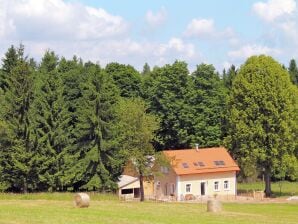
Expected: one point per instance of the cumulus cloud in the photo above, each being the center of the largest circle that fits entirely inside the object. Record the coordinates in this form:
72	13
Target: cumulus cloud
253	49
56	19
205	29
70	28
155	20
273	9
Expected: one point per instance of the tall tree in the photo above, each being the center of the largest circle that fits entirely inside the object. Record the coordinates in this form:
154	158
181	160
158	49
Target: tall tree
135	131
126	78
146	69
15	110
9	62
92	161
165	89
263	118
51	118
293	71
205	107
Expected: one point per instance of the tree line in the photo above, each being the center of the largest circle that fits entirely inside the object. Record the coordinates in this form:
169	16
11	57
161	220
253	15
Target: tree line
70	125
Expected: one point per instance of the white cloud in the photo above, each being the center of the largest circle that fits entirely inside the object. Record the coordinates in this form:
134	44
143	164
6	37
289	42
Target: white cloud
56	19
273	9
156	19
250	50
200	28
205	29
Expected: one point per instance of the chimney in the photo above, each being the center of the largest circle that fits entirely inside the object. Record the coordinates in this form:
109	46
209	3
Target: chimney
197	146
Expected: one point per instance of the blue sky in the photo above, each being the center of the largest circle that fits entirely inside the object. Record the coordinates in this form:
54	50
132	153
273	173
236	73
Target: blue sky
157	31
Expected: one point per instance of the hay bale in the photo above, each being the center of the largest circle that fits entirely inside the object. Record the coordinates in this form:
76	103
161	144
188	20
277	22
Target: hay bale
82	200
213	206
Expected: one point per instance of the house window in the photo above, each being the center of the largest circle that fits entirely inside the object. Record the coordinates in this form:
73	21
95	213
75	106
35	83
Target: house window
164	169
173	188
226	185
188	188
216	186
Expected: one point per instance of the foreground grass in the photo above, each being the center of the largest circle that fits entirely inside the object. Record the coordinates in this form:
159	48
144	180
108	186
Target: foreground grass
287	188
20	211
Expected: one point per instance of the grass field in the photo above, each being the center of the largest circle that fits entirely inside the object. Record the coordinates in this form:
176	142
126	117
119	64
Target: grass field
58	209
287	188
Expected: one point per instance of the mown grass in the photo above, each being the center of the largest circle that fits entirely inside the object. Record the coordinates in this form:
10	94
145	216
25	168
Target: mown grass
46	210
287	188
55	196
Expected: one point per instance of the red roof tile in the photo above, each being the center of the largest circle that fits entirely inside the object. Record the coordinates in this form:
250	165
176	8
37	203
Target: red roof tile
183	160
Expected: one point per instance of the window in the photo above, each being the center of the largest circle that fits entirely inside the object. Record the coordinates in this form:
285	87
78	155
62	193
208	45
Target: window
195	164
201	164
185	165
188	188
164	169
226	185
219	163
216	186
172	188
127	191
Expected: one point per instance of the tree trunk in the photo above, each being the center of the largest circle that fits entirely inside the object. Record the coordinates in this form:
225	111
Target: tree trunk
25	187
142	196
268	191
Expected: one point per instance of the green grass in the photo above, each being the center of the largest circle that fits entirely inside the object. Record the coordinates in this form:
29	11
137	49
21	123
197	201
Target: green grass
47	209
55	196
287	188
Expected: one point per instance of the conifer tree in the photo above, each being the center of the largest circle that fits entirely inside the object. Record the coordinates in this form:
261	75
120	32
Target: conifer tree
15	111
51	123
92	162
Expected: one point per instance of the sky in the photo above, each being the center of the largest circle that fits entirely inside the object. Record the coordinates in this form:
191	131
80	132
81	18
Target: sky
218	32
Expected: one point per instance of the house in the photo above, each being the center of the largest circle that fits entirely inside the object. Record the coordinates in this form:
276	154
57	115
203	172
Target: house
197	173
192	173
129	183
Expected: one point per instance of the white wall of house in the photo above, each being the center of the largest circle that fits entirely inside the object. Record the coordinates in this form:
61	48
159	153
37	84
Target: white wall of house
220	183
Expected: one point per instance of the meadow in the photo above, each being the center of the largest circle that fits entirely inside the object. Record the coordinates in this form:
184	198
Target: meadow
58	208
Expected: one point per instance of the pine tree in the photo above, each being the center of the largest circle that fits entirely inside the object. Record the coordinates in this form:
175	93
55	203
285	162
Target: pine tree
15	111
93	164
9	62
51	123
293	71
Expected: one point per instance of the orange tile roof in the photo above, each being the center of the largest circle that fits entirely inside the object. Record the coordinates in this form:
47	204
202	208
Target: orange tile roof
204	156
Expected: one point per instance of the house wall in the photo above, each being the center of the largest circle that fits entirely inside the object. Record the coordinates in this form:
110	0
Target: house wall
195	181
165	183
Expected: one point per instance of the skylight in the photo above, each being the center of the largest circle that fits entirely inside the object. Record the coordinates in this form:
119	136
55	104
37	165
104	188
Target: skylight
185	165
219	163
201	164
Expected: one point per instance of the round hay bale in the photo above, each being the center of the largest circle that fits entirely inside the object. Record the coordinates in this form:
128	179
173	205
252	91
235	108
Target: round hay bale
82	200
213	206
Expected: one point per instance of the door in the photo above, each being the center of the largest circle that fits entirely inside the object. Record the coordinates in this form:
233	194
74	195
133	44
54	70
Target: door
203	188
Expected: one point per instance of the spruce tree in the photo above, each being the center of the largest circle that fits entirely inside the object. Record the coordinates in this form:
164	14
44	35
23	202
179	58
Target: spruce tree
92	162
51	123
15	111
293	71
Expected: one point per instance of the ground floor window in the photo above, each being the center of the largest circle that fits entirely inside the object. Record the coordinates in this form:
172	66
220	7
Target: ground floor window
216	186
127	191
226	185
188	188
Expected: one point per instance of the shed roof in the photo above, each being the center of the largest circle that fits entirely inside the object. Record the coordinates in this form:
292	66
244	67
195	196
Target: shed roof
125	180
204	160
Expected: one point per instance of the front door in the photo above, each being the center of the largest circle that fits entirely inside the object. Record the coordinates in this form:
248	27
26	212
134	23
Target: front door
203	190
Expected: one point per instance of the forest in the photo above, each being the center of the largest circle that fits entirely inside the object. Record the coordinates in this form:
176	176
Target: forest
70	125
